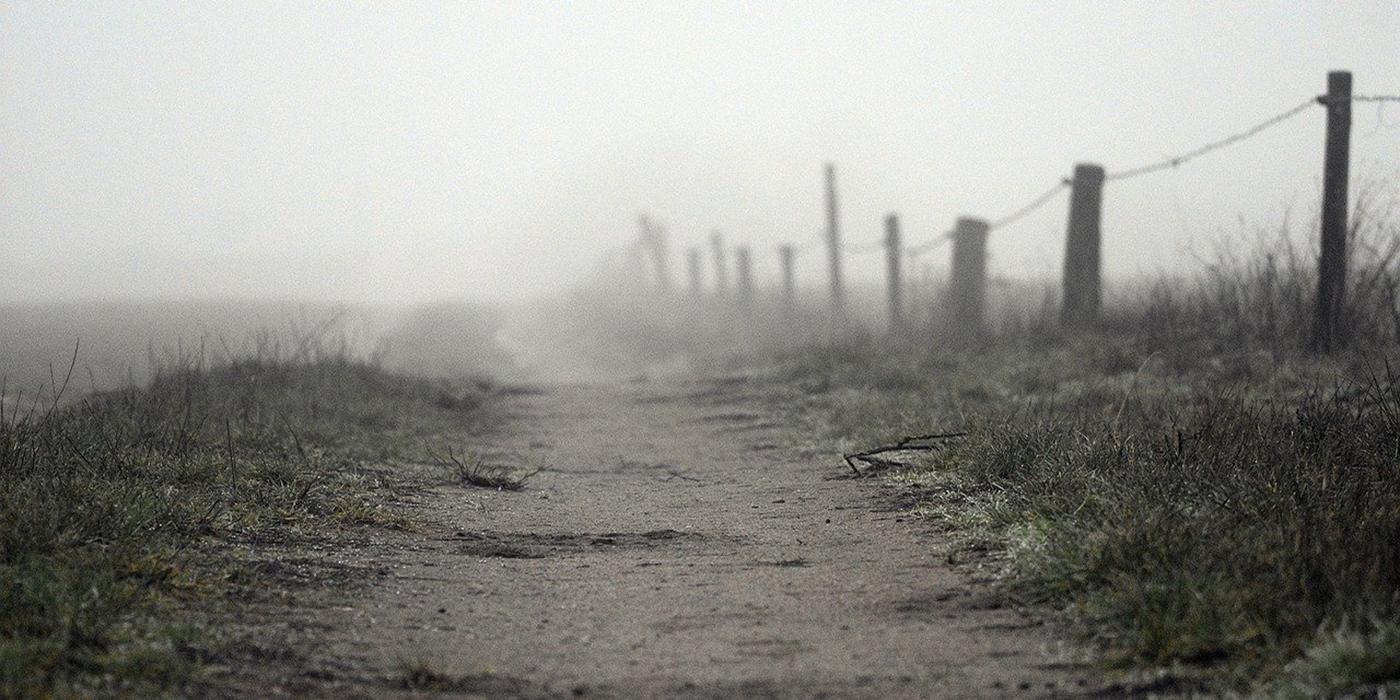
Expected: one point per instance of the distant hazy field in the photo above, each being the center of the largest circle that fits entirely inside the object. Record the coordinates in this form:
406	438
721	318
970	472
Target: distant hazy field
120	341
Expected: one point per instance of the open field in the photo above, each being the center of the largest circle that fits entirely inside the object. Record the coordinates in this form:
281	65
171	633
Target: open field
707	350
316	526
1181	499
124	343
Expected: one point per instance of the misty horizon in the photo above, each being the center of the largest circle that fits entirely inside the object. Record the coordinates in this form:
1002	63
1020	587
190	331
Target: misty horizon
363	153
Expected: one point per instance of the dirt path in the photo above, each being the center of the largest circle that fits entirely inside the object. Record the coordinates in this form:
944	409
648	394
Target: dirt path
676	547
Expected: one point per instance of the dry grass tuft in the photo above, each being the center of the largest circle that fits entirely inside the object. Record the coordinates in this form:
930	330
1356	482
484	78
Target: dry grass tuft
476	470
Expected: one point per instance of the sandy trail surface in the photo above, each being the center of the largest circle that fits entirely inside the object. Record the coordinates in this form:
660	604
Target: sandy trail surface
675	545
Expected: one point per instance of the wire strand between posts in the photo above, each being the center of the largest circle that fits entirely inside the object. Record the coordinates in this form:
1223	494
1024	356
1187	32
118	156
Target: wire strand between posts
1212	146
1026	210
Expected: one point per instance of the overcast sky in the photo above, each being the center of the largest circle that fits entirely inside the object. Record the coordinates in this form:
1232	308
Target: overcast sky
401	151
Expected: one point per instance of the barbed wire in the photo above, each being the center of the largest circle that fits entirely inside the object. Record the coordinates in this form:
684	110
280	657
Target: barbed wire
1007	220
1212	146
1026	210
862	248
930	244
1045	198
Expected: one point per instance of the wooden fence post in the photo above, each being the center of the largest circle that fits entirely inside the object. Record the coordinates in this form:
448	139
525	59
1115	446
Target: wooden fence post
653	238
697	283
833	241
745	265
646	253
893	249
789	291
967	289
721	268
1080	301
1329	331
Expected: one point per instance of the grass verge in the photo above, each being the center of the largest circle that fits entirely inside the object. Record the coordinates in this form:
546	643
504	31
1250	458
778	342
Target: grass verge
1228	519
117	512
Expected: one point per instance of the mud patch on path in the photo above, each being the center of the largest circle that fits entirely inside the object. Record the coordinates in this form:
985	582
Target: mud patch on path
734	417
798	563
424	680
271	578
526	545
760	425
772	648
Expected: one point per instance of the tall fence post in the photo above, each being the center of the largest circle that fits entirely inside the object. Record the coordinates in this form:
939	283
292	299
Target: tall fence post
786	253
1329	331
745	269
697	283
1083	240
721	267
967	289
893	250
833	241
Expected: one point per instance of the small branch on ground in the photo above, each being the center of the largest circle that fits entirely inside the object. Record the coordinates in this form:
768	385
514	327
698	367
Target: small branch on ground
909	443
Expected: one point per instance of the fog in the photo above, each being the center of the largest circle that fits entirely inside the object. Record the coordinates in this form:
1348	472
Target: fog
699	348
398	153
455	188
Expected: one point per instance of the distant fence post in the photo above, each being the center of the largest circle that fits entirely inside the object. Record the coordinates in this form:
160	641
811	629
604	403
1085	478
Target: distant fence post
1329	331
1083	240
721	267
968	287
786	254
745	265
653	238
833	241
646	252
697	283
893	249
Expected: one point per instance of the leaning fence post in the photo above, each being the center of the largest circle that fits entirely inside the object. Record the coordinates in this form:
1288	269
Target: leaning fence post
745	269
1080	302
1329	331
697	283
967	287
892	269
721	268
786	254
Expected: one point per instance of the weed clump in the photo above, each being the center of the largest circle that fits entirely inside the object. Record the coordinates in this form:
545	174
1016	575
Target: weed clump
478	470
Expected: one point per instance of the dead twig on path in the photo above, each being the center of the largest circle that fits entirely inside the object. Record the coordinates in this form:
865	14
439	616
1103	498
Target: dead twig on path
909	443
